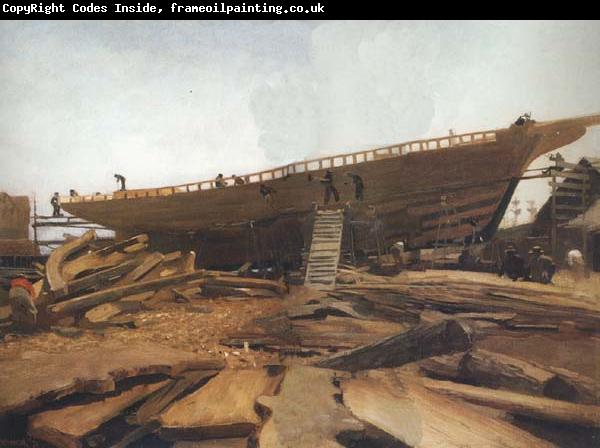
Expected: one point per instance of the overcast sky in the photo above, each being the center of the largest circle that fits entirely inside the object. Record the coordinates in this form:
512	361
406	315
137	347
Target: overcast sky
173	102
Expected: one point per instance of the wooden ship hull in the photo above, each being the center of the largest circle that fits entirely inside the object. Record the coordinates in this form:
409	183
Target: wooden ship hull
418	192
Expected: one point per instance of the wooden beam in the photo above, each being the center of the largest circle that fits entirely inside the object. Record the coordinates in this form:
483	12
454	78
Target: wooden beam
88	301
149	263
67	427
426	340
222	408
39	377
101	279
54	265
143	238
515	403
400	406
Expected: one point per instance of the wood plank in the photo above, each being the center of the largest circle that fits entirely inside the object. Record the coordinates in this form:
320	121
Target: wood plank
570	185
305	413
104	312
39	377
142	238
502	371
102	278
163	398
88	301
571	175
91	262
214	443
245	282
416	417
66	427
426	340
515	403
54	265
149	263
224	407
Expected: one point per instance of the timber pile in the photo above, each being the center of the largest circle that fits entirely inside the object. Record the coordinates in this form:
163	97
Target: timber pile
420	360
99	286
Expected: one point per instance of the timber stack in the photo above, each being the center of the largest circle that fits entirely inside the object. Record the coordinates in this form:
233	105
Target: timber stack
418	359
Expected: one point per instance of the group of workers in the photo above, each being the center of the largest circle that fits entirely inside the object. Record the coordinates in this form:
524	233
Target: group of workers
55	199
329	189
539	267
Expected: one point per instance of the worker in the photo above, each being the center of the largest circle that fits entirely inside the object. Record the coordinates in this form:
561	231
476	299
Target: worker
397	250
21	295
267	193
237	180
219	181
576	263
120	178
73	193
330	189
55	202
359	186
523	119
475	237
513	265
467	260
541	267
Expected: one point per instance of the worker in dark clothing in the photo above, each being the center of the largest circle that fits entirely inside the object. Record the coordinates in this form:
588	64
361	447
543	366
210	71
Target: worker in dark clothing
523	119
55	202
219	181
513	265
73	193
267	193
359	186
330	189
120	179
541	267
237	180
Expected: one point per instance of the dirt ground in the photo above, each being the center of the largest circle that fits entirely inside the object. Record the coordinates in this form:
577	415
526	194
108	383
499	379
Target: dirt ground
174	325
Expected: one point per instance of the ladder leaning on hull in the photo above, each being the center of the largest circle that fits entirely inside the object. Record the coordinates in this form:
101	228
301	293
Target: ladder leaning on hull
324	255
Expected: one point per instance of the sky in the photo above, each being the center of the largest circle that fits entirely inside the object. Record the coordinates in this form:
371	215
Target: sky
170	102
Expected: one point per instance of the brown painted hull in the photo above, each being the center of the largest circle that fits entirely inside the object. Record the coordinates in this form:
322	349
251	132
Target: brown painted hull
233	224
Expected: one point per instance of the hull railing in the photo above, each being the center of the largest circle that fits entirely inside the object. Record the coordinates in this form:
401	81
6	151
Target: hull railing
349	159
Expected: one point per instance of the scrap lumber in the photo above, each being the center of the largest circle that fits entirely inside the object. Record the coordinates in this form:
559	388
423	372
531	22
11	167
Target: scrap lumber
426	340
54	265
138	239
92	262
147	414
40	377
149	263
401	407
106	311
223	407
171	256
324	307
137	247
214	443
102	278
66	427
540	408
246	282
496	370
88	301
486	293
340	332
447	367
571	386
161	400
305	413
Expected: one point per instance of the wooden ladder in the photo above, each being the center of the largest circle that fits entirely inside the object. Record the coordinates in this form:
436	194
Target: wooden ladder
324	255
